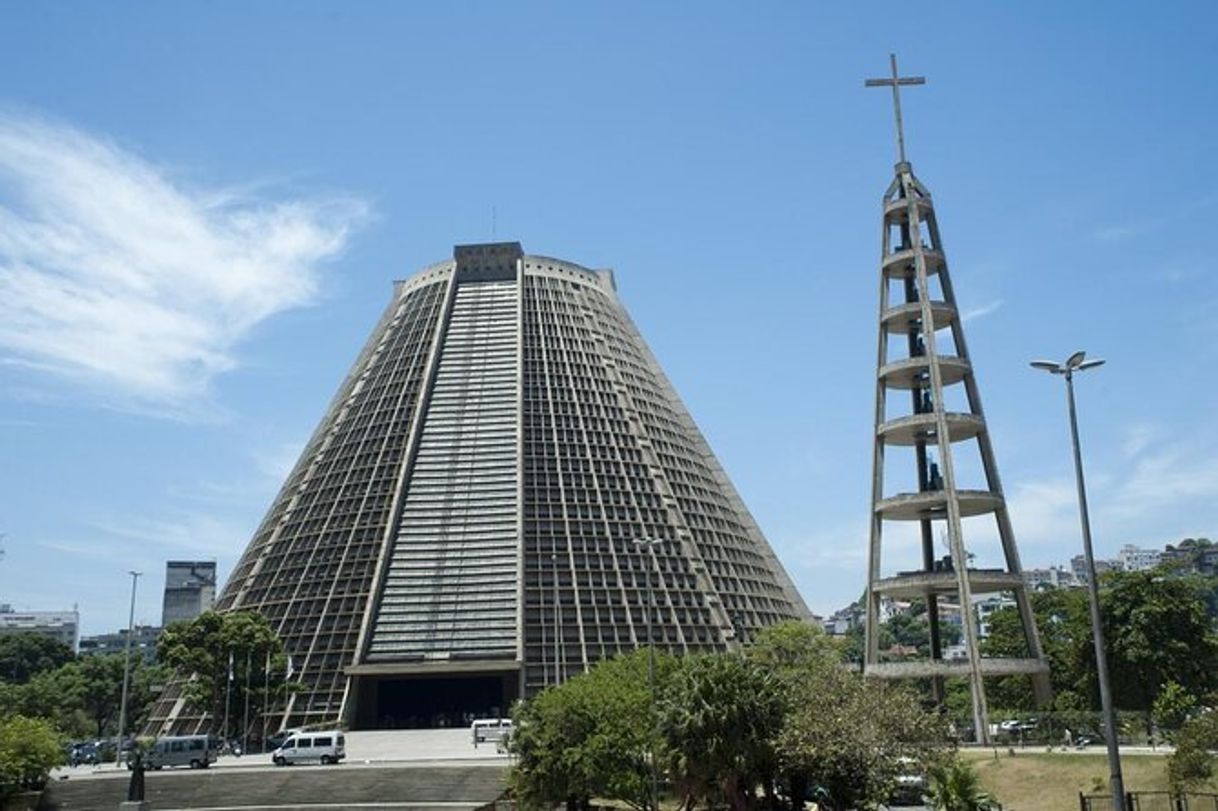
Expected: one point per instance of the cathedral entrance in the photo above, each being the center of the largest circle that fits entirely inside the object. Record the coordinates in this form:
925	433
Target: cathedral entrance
433	701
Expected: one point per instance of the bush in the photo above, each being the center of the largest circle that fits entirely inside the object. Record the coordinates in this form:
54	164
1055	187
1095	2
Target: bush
589	737
955	786
29	749
1192	763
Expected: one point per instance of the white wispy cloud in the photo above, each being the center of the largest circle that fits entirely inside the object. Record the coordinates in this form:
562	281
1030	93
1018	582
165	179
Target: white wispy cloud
1155	494
115	276
1117	232
1139	437
981	311
1044	514
1165	479
276	463
202	533
1142	226
80	549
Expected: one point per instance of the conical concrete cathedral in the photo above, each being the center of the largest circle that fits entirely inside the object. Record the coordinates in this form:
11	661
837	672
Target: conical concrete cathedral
502	484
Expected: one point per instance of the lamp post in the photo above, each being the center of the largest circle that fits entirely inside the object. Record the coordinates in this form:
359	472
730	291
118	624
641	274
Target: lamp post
122	707
650	544
1078	363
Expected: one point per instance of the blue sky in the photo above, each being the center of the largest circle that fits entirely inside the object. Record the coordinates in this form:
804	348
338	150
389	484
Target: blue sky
202	209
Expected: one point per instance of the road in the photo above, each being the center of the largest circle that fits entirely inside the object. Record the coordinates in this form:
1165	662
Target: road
414	769
434	747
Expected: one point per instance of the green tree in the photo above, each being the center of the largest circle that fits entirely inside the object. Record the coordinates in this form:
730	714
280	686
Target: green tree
854	643
1192	764
1158	632
955	786
29	749
845	737
98	683
789	648
910	631
93	685
719	712
147	682
53	695
1064	622
24	655
1156	627
1172	708
850	738
224	652
589	737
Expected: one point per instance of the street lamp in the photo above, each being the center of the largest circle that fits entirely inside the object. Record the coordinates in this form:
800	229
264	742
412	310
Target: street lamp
651	544
1078	363
122	707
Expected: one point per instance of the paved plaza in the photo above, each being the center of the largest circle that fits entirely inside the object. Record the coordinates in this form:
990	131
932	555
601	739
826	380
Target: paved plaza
417	769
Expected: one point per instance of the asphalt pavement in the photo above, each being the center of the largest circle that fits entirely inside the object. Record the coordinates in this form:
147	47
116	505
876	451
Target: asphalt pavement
436	747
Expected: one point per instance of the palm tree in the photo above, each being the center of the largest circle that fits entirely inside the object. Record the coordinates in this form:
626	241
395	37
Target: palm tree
956	787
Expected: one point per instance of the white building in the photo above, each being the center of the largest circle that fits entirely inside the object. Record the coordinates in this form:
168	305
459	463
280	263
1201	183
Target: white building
1134	559
1078	565
955	653
890	608
842	620
61	625
985	608
1054	577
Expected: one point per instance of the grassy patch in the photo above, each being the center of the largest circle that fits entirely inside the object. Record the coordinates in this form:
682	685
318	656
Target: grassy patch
1043	781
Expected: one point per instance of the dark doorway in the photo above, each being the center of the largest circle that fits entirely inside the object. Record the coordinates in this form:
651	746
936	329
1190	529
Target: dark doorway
430	702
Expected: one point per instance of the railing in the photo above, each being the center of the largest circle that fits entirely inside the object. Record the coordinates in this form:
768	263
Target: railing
1151	801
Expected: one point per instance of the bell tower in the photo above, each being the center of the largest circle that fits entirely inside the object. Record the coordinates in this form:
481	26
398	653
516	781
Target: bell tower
934	412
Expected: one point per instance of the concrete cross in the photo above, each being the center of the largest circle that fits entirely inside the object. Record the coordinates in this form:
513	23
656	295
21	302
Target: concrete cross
895	83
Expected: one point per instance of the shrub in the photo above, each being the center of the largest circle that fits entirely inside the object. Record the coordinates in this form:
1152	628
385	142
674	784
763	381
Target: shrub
955	786
1192	763
29	749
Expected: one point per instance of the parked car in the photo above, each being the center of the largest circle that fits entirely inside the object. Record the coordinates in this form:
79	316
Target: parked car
323	747
1084	739
194	751
483	730
83	753
277	740
911	785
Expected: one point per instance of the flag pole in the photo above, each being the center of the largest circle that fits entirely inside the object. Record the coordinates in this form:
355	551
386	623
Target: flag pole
266	696
245	721
228	692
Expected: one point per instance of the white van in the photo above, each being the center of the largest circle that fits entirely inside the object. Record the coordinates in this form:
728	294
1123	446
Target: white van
491	729
324	747
180	750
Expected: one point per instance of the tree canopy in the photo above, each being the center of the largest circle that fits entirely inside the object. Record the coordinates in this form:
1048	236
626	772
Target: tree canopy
719	714
29	749
785	712
844	739
1193	761
225	652
590	737
1157	631
24	655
